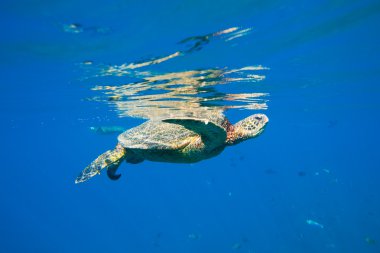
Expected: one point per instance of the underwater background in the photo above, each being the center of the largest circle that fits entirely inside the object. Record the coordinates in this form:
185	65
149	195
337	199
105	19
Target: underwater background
308	183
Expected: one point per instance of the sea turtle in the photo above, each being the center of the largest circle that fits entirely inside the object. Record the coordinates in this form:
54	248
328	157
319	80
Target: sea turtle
178	140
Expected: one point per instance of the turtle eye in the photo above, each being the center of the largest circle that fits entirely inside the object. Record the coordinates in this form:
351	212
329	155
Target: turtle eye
258	117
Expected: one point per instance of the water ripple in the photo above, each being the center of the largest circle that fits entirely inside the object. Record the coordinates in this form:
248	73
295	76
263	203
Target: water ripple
184	93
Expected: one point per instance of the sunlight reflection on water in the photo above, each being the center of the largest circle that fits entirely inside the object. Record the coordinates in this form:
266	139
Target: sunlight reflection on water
189	93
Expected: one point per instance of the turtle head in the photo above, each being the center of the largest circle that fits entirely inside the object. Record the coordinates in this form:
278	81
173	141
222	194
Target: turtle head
247	128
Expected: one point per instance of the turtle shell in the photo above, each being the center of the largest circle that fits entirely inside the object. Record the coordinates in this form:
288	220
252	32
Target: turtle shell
172	134
156	135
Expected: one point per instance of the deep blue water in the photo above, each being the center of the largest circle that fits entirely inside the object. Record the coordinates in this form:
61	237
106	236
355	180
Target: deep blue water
317	160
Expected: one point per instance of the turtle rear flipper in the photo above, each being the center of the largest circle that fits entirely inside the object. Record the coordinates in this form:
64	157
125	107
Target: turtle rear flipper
111	171
210	132
109	160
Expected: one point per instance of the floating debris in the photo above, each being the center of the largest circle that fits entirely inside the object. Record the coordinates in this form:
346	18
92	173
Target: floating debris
72	28
314	223
370	240
87	62
107	129
196	43
78	28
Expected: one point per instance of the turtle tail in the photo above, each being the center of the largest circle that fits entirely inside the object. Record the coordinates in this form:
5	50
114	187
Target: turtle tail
109	160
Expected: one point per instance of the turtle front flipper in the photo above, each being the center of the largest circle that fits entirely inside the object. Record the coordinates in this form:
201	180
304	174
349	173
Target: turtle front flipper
109	160
211	133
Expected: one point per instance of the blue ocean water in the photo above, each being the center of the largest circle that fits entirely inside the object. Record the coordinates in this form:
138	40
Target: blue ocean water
309	183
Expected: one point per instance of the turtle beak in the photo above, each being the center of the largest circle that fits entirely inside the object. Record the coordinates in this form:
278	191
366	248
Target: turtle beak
261	121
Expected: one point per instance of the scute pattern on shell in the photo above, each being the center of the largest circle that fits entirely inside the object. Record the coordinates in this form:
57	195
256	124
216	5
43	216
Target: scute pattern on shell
156	135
